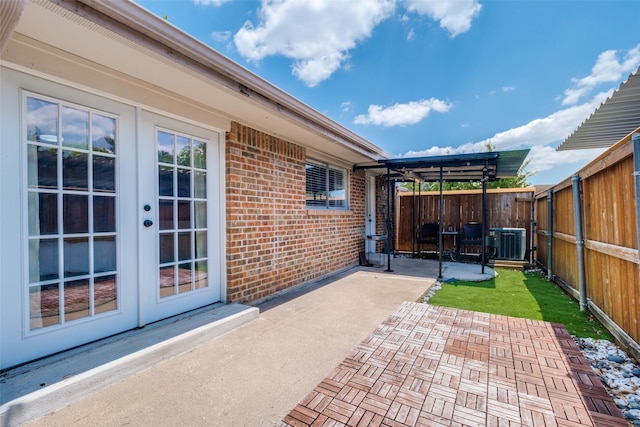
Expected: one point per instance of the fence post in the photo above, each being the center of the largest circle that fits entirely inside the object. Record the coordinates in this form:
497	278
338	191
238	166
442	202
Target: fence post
577	214
549	233
636	175
532	228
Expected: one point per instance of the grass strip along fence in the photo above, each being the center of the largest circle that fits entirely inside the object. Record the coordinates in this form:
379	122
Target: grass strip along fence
526	295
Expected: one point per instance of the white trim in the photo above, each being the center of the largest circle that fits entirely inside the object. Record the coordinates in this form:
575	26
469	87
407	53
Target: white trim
326	158
139	217
129	102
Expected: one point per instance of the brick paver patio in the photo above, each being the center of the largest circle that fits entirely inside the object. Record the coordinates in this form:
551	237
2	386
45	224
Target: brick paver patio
435	366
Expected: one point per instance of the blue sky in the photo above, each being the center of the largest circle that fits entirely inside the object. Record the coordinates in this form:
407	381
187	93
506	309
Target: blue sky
431	77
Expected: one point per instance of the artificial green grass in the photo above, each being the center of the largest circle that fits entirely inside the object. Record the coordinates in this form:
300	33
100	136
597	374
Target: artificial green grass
525	295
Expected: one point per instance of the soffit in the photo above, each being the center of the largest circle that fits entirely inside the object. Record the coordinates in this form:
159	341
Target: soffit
616	117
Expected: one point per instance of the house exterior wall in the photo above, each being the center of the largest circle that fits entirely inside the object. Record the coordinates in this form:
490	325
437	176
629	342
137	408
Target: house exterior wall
273	241
260	237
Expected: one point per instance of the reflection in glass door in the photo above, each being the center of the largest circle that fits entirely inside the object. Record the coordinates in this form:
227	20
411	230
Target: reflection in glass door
71	169
182	212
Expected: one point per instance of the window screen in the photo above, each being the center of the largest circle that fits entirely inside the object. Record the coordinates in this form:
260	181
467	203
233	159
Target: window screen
326	186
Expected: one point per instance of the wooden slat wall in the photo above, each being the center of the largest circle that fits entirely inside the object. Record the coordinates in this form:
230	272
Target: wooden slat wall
610	234
505	208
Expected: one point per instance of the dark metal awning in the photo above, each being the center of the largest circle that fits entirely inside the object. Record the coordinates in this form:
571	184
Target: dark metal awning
455	168
487	166
616	118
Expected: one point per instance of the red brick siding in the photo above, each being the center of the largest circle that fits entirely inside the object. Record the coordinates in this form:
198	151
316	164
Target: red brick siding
273	241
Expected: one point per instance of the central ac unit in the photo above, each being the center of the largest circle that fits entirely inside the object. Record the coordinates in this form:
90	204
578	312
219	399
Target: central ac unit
508	243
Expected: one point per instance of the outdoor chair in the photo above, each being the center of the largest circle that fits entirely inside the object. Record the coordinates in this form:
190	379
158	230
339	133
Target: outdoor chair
428	234
471	236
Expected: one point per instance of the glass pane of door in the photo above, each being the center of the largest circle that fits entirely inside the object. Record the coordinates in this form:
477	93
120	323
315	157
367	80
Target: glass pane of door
182	207
71	193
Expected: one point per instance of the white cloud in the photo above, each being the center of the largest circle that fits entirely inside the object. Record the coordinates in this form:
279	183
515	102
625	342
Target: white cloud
411	34
454	16
316	34
552	128
607	69
346	106
402	114
508	88
211	2
545	157
540	135
221	36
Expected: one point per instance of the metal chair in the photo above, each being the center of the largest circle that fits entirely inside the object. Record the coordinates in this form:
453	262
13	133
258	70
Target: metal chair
428	235
471	236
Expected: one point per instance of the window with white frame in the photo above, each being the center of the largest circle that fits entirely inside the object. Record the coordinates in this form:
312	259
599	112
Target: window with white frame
326	186
71	196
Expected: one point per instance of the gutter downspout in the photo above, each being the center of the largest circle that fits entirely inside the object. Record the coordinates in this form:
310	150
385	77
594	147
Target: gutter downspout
636	175
549	233
577	213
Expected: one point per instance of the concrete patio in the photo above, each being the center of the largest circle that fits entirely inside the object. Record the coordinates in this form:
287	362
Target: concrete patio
258	373
250	376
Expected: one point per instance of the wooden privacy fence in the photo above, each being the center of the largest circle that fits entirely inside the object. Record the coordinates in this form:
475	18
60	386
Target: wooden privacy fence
509	207
607	200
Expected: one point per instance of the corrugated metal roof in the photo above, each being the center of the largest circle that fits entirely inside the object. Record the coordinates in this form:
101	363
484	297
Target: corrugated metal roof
618	116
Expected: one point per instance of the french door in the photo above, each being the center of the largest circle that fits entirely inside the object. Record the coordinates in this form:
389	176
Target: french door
78	283
120	213
179	184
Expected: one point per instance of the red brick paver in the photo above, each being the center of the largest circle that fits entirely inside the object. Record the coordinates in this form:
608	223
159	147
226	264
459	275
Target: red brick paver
436	366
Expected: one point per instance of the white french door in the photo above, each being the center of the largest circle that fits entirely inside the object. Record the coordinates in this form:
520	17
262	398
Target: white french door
70	164
111	218
179	194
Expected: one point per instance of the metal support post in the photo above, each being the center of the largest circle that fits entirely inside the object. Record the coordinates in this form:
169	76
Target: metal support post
577	214
440	228
549	233
388	226
484	213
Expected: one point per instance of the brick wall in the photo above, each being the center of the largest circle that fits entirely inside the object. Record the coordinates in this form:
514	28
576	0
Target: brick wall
273	241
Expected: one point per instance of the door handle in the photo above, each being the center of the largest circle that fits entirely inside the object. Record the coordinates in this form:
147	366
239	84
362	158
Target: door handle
147	223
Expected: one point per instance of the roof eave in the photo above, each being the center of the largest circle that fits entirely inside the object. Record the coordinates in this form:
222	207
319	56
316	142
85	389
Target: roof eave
143	21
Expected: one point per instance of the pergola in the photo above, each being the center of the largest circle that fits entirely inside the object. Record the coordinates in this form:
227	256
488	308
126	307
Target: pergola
483	167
